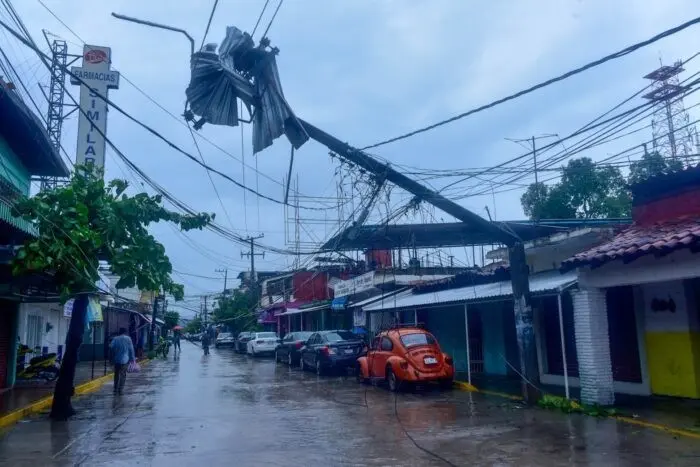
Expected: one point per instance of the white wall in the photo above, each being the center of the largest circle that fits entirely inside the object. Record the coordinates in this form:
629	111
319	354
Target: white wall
665	321
51	313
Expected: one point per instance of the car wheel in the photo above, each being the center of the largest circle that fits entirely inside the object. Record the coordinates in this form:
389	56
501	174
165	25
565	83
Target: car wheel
391	380
319	368
290	361
301	363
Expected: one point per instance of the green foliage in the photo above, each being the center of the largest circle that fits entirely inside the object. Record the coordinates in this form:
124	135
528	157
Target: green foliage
650	165
88	220
237	311
585	191
549	401
194	326
171	318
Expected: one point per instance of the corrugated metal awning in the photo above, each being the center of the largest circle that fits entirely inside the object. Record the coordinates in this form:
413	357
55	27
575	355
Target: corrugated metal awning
296	311
539	283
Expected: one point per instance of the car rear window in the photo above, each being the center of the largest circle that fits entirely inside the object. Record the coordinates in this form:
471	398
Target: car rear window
265	335
340	336
302	336
418	338
224	335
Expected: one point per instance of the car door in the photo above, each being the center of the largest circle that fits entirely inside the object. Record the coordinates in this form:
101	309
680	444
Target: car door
308	350
381	356
287	342
372	355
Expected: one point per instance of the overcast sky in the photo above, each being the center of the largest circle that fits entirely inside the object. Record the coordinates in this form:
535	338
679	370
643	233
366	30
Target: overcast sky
364	71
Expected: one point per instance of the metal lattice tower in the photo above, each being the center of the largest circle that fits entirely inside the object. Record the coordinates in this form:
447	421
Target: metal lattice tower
672	133
54	117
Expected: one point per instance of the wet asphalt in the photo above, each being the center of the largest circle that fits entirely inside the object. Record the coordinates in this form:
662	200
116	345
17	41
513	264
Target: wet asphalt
229	409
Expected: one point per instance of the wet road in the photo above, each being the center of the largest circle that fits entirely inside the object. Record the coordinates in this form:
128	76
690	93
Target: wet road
228	409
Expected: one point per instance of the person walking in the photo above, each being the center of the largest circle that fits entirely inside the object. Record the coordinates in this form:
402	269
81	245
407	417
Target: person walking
206	340
122	350
176	340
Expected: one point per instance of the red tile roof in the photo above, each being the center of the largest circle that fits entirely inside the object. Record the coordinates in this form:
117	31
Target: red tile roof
639	240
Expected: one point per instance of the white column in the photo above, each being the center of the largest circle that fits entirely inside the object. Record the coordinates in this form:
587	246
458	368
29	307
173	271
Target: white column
563	345
415	317
466	340
593	347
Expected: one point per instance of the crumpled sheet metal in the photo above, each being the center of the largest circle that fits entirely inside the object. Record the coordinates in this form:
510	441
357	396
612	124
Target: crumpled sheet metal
216	84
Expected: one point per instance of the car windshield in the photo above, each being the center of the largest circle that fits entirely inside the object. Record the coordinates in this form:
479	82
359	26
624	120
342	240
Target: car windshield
302	336
224	335
243	335
264	335
419	338
340	336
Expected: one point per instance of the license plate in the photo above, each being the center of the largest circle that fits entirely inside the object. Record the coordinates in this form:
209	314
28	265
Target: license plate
430	360
349	351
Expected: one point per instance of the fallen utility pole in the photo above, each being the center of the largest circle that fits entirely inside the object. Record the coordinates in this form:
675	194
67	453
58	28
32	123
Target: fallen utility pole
519	268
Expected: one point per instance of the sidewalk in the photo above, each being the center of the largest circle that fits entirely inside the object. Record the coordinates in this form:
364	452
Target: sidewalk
652	411
26	393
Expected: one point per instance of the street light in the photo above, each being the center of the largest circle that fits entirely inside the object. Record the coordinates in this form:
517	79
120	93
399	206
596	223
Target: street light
158	25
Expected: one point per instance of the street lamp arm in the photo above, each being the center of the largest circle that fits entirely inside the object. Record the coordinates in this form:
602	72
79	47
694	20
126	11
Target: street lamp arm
157	25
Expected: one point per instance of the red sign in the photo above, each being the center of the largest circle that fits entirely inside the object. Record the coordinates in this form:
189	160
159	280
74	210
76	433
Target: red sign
95	56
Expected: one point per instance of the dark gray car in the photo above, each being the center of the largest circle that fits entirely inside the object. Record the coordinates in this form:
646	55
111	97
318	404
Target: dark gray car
288	351
241	345
328	350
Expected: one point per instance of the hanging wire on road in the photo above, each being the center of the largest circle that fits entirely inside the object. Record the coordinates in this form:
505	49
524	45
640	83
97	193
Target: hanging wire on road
568	74
415	443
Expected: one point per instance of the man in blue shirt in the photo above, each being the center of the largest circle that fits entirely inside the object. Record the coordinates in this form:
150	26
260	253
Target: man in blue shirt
122	350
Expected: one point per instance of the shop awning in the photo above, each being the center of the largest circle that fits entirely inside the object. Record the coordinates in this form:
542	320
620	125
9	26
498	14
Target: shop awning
540	284
339	303
296	311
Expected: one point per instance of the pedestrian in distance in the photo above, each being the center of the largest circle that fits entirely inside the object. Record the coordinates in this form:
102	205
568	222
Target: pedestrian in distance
206	340
176	340
122	350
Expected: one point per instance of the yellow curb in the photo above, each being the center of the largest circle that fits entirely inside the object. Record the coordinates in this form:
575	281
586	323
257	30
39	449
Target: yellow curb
632	421
471	388
45	402
656	426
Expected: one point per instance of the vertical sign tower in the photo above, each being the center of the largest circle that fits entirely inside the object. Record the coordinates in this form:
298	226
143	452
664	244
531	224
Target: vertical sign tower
92	123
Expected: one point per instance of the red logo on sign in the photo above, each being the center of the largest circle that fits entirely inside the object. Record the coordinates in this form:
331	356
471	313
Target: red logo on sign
95	56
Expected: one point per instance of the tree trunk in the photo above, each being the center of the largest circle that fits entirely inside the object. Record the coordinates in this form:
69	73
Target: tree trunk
62	409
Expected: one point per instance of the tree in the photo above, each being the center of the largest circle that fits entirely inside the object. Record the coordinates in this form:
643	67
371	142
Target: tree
585	191
237	311
81	223
650	165
194	326
172	319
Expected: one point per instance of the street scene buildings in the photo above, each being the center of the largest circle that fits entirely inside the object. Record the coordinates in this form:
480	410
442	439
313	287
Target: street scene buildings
334	252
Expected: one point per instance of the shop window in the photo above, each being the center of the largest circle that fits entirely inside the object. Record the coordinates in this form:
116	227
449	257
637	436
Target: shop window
35	331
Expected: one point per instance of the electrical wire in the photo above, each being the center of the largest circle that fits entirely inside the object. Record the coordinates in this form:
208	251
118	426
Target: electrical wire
274	15
257	23
621	53
211	17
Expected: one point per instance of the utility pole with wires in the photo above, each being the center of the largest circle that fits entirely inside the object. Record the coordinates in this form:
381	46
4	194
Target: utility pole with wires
533	146
253	284
225	271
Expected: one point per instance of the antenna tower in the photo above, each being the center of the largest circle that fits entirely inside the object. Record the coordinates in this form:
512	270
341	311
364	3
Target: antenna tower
54	117
673	136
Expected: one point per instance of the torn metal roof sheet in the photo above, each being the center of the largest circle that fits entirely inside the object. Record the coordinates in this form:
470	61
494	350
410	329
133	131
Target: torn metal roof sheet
243	71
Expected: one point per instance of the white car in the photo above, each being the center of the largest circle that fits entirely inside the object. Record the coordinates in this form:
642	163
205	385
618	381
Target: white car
262	343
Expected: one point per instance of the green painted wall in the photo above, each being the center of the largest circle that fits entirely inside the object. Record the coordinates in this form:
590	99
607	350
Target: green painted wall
494	341
11	168
447	325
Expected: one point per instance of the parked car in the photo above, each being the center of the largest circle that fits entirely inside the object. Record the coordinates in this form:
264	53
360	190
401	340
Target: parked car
241	344
288	350
224	339
405	355
262	343
327	350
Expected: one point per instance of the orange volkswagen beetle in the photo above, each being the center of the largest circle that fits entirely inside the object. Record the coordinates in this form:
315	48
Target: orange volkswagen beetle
405	355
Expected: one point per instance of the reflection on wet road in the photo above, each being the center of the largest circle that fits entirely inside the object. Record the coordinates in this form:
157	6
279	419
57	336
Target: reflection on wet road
228	409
